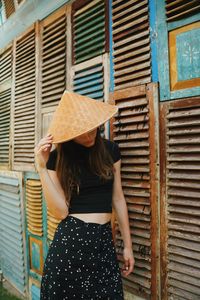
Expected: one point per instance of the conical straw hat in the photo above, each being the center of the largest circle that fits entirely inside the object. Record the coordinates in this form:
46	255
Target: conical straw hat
77	114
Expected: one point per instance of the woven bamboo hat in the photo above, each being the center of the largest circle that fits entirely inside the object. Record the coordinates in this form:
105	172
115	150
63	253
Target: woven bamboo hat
77	114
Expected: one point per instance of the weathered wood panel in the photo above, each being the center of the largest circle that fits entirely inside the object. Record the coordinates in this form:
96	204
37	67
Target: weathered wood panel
180	194
179	9
135	129
24	101
34	207
91	78
9	7
131	43
53	57
5	105
178	50
89	29
12	238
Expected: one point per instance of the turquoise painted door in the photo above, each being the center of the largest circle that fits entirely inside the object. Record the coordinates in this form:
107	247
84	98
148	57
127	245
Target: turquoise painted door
12	233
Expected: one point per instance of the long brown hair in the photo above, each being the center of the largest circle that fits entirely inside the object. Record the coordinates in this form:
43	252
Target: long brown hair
100	162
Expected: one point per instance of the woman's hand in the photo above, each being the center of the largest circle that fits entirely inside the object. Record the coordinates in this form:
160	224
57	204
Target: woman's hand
129	261
42	150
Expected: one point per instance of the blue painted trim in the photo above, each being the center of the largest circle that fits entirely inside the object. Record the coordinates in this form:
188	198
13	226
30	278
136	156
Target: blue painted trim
153	39
186	21
111	87
163	63
163	55
185	93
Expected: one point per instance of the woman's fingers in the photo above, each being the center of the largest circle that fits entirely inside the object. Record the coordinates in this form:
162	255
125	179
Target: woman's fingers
128	266
46	141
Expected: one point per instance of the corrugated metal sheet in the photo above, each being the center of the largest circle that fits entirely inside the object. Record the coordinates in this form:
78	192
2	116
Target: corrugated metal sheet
54	45
134	130
180	199
11	230
88	29
179	9
25	101
131	43
34	206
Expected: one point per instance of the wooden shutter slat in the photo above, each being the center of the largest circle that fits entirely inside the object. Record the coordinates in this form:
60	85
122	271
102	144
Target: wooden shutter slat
132	129
53	62
182	198
131	43
89	36
179	9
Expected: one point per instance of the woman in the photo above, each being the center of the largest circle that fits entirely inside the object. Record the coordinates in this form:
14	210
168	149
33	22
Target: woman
81	184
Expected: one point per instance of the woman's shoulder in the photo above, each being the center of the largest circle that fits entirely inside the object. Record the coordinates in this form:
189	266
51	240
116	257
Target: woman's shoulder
113	148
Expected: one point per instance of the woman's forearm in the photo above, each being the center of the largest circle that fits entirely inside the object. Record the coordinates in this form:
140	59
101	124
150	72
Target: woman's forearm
123	221
55	201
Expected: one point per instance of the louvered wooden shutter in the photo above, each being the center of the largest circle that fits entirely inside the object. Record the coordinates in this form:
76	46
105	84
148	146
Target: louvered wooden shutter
5	106
34	207
89	26
180	199
25	102
91	78
131	43
12	229
179	9
53	81
89	81
9	7
135	131
52	224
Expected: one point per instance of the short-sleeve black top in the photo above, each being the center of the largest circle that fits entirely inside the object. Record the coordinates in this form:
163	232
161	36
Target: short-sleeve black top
95	194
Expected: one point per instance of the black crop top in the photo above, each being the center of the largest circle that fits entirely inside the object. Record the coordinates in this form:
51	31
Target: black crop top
95	195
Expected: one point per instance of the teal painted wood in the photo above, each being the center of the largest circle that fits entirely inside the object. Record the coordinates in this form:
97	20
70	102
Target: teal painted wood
153	39
111	87
11	232
163	55
35	250
180	23
188	54
35	292
89	33
89	81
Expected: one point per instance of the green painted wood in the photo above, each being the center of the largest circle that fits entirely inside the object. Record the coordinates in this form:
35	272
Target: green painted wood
89	32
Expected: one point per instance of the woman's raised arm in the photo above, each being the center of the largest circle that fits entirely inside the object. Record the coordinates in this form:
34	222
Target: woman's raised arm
53	192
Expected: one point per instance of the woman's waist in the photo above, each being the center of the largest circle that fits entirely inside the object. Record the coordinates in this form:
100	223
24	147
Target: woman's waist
100	218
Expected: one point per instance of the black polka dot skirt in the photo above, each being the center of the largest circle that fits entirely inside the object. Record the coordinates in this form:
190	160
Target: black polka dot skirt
81	263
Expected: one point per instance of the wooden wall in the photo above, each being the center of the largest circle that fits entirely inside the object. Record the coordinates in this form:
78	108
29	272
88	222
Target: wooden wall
130	53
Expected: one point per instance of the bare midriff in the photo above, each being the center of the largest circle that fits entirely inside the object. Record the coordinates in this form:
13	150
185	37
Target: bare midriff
100	218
